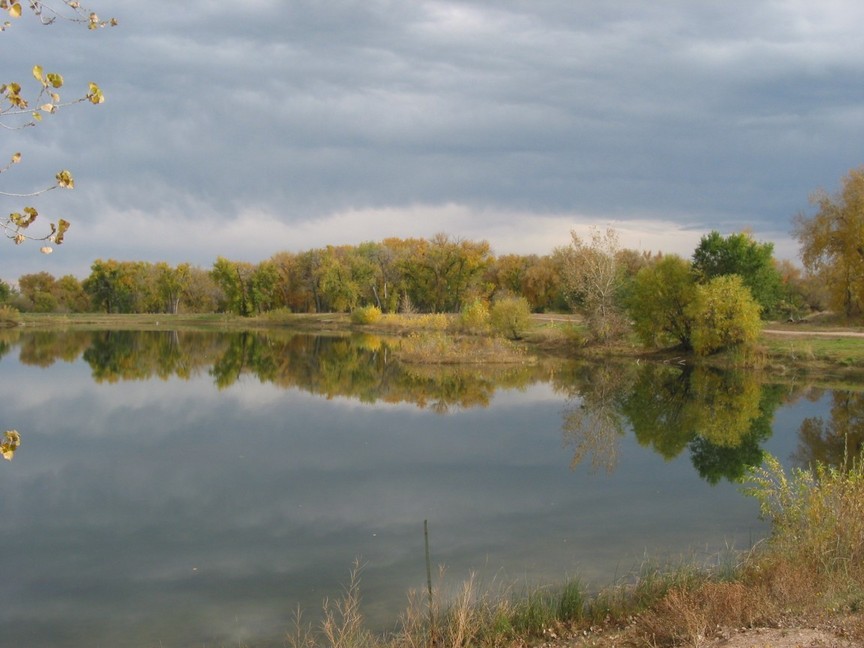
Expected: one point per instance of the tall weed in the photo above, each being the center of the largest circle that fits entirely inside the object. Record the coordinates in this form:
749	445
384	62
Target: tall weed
817	515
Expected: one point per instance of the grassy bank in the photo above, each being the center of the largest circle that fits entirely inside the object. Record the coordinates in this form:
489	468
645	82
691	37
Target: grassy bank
809	571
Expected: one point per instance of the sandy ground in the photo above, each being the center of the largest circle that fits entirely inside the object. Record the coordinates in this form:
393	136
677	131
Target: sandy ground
827	635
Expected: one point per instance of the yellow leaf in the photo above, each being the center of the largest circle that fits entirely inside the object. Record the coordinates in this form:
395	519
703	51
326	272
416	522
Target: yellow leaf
16	158
65	180
62	227
38	74
49	108
37	116
96	96
11	442
15	10
56	80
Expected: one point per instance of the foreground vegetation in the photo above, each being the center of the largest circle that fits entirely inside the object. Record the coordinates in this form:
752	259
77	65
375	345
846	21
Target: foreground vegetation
810	569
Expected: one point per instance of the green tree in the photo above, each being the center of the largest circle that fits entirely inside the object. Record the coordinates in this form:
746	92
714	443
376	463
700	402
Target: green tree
233	278
340	279
738	254
5	292
832	243
264	283
658	299
110	286
723	315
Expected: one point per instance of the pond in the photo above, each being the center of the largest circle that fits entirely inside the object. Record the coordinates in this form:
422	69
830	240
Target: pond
196	488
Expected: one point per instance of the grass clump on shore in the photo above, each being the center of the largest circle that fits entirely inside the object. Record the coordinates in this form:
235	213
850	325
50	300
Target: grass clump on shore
473	617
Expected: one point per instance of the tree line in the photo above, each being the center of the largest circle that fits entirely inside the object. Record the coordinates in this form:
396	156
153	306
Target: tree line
664	298
440	274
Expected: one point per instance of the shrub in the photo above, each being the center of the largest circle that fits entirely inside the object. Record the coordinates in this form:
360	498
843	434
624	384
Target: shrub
474	317
366	315
815	515
723	315
510	317
281	314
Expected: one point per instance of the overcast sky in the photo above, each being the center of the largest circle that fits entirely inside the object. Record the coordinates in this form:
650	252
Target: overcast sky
246	128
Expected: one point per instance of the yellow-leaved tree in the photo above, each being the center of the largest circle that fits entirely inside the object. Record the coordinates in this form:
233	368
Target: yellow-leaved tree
832	243
723	315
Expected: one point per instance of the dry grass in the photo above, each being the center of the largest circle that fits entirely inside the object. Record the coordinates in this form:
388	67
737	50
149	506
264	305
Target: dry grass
690	617
443	348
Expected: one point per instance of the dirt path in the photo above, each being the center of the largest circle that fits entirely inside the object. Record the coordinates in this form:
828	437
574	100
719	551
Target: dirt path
811	333
792	637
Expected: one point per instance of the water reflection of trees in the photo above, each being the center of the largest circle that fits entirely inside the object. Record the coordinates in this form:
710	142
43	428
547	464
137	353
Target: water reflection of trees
838	441
721	417
358	366
593	417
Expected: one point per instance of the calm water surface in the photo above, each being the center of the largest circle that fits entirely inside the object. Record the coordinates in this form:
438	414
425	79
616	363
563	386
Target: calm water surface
180	489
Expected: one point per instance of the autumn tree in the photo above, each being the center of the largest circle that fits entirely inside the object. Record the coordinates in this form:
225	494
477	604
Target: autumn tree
832	243
506	274
723	315
36	292
442	273
70	295
200	293
41	292
595	278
